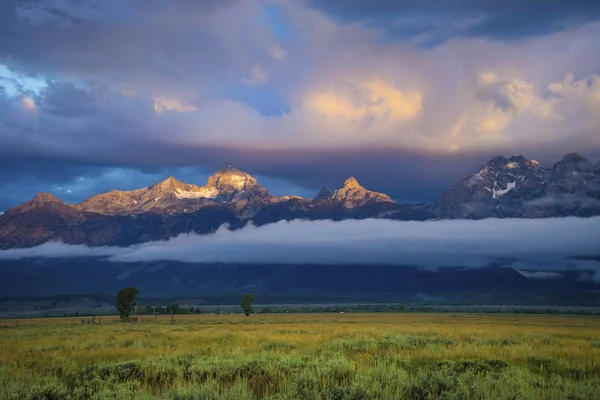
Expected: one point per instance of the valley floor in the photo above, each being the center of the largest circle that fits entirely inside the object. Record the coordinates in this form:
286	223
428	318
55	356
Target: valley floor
303	356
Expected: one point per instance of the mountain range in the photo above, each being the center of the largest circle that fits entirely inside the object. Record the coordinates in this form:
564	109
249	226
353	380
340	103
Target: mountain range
512	187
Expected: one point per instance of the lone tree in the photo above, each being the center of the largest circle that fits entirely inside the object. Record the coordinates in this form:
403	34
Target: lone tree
174	308
246	304
126	302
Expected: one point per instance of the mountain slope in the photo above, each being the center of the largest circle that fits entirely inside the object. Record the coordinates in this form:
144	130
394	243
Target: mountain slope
39	220
573	188
520	188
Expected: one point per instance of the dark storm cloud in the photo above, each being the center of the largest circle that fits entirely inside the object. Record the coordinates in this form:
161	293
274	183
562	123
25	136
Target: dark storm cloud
67	99
141	46
434	21
542	244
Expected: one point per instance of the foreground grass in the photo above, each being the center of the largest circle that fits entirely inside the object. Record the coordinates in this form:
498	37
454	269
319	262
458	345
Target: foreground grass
303	356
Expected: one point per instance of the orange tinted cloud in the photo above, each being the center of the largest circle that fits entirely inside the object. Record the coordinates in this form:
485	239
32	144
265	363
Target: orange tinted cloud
28	103
164	104
375	99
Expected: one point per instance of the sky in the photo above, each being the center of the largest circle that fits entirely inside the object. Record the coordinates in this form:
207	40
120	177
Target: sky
528	245
408	97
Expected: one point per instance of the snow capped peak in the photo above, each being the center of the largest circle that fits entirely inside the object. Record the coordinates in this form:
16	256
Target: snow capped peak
180	190
498	158
520	161
200	193
516	164
229	178
229	169
351	182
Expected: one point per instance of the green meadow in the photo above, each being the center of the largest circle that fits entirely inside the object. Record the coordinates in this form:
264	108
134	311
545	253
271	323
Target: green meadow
303	356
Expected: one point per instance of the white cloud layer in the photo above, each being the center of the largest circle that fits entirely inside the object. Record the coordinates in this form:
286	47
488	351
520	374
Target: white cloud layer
524	244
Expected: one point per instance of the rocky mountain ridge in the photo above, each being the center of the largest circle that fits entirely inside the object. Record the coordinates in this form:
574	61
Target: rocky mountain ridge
520	188
227	185
512	187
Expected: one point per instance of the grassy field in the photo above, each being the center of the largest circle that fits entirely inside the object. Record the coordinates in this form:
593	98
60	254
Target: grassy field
303	356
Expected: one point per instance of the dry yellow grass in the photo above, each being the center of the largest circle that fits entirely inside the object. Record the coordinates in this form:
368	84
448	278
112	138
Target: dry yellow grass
368	346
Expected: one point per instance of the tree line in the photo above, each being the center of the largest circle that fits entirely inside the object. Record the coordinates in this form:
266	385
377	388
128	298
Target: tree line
126	305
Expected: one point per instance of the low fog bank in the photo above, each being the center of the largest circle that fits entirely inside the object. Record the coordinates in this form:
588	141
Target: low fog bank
533	244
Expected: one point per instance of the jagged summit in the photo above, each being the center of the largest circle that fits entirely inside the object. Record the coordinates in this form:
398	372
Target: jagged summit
573	156
324	194
168	183
43	198
510	163
351	182
573	162
575	175
352	195
229	169
230	179
497	160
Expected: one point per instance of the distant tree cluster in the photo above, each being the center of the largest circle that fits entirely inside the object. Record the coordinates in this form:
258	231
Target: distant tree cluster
126	305
171	308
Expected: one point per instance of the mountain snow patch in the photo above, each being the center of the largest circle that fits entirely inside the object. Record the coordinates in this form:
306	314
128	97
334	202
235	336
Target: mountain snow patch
499	193
203	193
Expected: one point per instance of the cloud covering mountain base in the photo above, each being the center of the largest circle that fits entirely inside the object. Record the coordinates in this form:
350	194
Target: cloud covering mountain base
547	244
